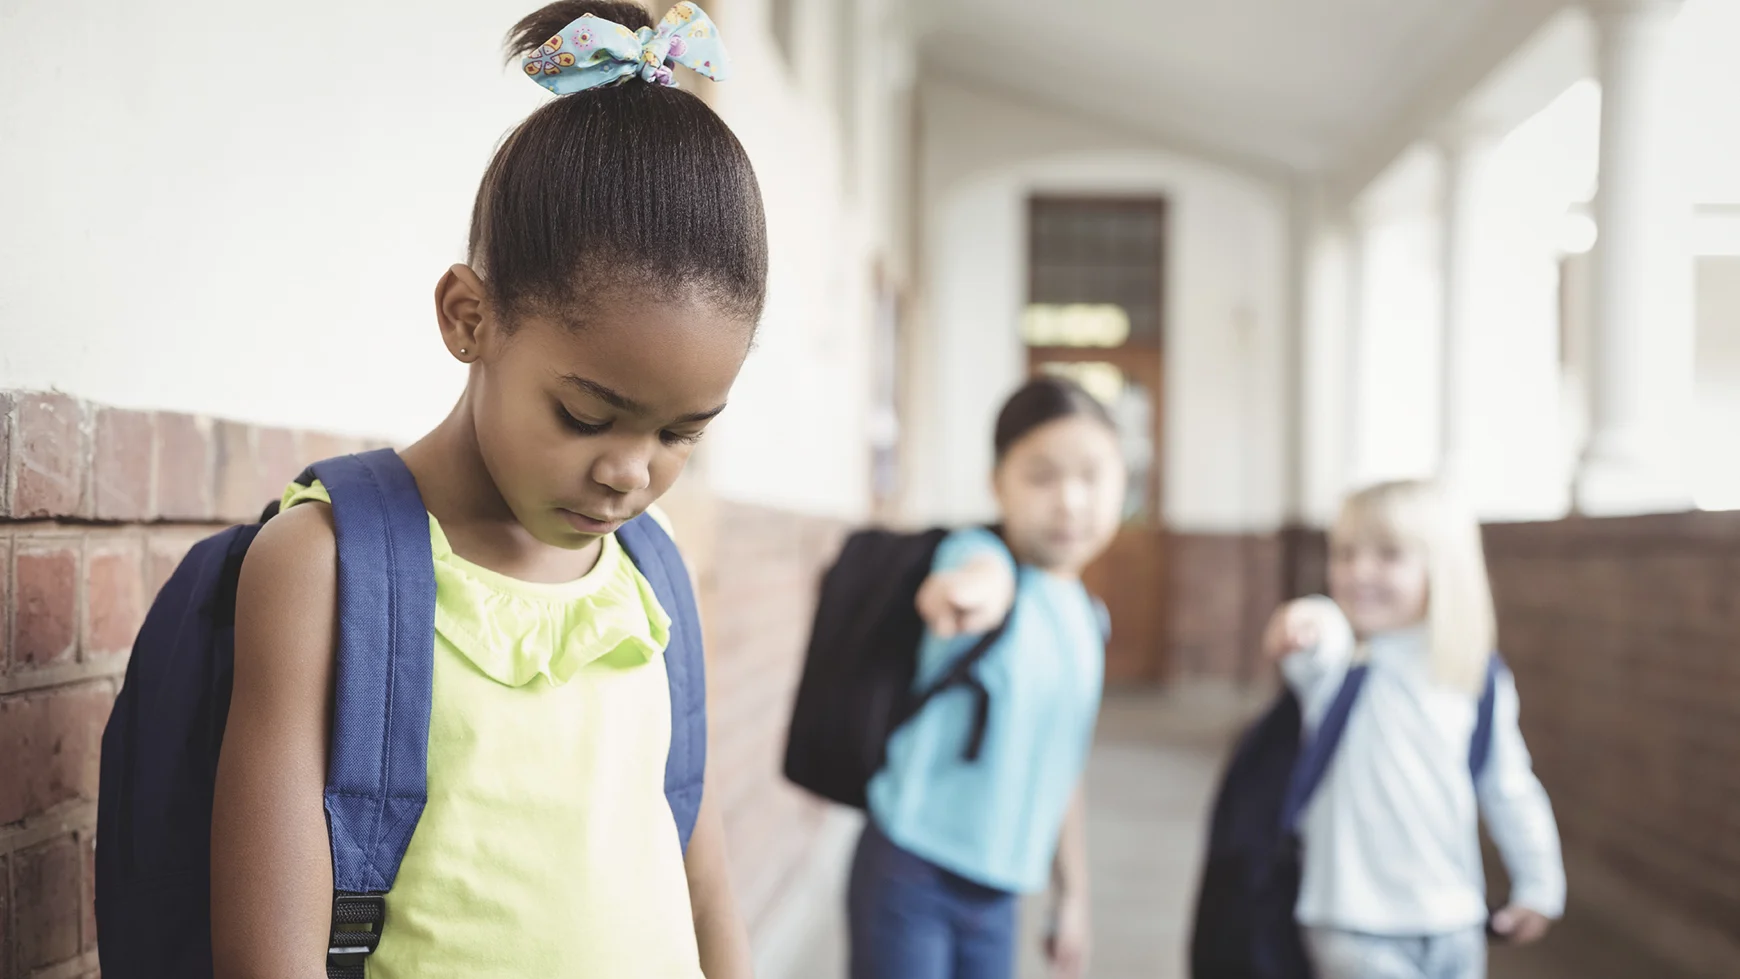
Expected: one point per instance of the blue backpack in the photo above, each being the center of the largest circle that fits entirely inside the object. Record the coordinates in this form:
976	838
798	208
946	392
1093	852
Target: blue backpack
1244	926
160	749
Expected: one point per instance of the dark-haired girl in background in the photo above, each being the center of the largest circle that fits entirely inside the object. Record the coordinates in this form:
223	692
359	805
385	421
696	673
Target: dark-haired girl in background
617	268
950	843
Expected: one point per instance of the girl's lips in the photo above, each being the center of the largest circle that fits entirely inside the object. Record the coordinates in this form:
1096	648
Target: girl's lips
590	525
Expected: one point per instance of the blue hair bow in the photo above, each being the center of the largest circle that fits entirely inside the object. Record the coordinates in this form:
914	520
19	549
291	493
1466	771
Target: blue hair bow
593	51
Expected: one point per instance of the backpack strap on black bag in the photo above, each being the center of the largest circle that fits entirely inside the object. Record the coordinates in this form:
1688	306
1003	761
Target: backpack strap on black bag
961	674
1480	746
1319	750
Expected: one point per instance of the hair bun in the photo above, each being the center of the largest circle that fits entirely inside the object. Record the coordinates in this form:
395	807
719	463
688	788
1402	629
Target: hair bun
537	27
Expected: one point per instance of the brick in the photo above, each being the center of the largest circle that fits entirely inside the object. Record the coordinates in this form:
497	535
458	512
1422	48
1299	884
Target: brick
114	596
7	414
50	458
52	741
253	466
46	885
1211	609
238	471
315	446
1620	633
5	617
7	932
121	476
184	467
45	602
280	462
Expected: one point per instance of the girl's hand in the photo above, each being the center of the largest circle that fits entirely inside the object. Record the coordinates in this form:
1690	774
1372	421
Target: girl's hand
1071	937
969	600
1520	926
1297	625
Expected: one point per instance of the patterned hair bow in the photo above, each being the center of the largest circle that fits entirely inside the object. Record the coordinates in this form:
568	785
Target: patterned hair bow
593	51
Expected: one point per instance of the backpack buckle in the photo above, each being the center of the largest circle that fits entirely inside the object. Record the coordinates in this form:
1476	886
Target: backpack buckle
356	924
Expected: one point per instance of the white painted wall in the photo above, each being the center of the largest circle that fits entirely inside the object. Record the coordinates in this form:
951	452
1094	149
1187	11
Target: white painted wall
827	141
1705	37
1396	384
1326	445
226	210
229	209
1716	468
982	156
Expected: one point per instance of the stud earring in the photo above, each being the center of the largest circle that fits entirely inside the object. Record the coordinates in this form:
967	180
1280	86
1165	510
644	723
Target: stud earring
461	349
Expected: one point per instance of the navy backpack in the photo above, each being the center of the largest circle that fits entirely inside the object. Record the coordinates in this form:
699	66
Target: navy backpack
160	748
1244	926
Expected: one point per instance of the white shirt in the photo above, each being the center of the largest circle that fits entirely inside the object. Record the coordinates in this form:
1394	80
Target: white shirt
1392	838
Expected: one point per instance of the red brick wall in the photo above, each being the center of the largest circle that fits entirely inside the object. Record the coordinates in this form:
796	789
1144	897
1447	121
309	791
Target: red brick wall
757	590
96	508
1222	589
1625	639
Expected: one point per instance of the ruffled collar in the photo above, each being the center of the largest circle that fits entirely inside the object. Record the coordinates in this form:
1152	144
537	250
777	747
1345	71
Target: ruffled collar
516	631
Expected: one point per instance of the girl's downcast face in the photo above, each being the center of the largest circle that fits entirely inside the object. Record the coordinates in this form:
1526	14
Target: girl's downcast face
584	425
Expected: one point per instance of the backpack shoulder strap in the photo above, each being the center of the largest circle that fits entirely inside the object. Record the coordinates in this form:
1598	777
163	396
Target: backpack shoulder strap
960	674
1480	746
376	774
1320	749
659	561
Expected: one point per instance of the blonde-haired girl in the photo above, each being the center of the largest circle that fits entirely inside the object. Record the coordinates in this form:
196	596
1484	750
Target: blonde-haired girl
1393	886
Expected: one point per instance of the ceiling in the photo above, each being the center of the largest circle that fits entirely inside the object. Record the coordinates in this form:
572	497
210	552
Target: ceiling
1298	84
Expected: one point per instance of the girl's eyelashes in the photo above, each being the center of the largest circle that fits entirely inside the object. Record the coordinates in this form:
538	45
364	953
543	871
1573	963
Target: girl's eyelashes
583	428
588	428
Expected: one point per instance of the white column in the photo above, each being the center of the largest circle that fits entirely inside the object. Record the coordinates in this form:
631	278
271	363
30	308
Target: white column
1465	150
1325	356
1356	448
1303	207
1643	337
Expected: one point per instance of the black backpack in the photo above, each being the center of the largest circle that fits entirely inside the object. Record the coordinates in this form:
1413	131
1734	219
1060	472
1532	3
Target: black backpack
1244	926
856	688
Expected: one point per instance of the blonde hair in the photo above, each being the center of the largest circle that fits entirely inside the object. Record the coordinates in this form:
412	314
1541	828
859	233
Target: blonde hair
1461	626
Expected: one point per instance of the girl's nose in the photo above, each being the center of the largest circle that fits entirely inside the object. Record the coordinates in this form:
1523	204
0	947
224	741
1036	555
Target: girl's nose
624	470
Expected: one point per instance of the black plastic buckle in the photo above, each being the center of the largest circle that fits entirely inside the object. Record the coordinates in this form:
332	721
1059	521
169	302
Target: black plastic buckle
349	911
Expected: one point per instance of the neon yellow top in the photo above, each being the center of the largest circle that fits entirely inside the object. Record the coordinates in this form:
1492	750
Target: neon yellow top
547	848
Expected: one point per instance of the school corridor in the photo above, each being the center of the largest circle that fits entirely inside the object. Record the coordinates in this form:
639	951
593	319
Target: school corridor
1294	246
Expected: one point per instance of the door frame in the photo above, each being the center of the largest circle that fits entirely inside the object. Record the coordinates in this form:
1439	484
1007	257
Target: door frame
1154	665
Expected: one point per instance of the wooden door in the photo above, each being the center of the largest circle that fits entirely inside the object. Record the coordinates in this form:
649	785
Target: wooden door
1095	301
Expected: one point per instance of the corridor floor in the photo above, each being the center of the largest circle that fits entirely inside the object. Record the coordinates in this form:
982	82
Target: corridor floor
1156	761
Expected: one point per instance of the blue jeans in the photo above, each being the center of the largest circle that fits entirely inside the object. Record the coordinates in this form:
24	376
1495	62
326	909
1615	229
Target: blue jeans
1352	955
911	919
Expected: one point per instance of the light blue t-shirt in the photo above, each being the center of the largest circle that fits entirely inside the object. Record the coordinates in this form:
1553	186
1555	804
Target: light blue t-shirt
995	821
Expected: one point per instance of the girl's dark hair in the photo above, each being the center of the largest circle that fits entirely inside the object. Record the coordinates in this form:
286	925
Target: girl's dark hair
630	185
1044	399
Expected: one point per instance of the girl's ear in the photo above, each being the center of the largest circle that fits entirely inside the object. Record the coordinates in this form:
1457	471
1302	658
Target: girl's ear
462	309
